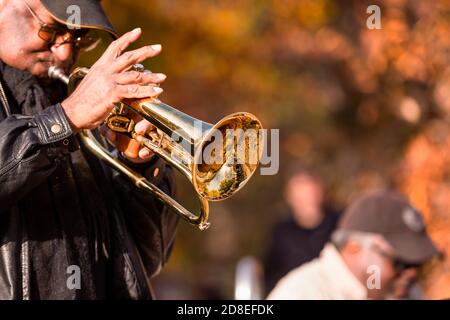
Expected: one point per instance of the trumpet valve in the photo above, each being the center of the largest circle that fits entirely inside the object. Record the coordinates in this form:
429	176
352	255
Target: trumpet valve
120	123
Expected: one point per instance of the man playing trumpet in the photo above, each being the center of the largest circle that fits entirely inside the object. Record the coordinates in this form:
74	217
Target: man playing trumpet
70	227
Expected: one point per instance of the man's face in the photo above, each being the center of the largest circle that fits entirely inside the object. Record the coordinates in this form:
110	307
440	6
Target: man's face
394	282
305	192
22	48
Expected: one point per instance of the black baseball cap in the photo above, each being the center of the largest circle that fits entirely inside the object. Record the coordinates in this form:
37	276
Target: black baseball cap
390	214
92	14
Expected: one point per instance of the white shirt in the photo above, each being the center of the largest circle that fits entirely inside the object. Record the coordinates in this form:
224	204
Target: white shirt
325	278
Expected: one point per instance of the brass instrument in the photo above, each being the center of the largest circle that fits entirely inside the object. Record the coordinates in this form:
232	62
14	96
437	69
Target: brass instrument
212	181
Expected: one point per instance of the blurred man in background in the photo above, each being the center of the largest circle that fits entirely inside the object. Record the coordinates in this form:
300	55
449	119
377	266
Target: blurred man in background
375	254
300	237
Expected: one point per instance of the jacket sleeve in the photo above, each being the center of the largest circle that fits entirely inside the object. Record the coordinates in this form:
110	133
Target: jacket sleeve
151	223
30	149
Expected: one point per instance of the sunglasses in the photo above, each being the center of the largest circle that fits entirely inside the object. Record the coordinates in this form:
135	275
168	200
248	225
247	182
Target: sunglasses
78	38
399	266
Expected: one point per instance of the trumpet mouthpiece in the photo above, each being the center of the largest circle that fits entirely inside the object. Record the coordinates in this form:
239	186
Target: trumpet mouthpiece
58	73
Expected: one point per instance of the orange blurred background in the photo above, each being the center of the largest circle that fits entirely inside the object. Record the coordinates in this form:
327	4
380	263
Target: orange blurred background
366	108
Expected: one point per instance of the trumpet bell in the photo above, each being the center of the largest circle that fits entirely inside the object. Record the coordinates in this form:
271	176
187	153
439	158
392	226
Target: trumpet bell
227	156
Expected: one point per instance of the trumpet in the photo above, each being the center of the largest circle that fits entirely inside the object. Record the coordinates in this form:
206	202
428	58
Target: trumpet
217	161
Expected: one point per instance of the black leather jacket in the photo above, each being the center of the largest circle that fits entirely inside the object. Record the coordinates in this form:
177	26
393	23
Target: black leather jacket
60	206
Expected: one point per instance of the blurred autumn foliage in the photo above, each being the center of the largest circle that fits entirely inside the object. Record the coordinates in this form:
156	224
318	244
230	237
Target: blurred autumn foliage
366	108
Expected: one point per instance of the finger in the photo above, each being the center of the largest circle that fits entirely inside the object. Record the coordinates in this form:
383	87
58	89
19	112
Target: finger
143	127
118	46
129	58
136	77
122	142
145	153
135	91
132	149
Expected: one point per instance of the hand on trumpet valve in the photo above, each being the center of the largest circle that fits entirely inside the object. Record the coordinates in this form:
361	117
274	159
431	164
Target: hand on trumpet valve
110	80
130	148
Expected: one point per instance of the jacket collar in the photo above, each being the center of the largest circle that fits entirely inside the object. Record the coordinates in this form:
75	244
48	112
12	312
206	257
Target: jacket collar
342	278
